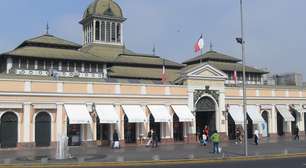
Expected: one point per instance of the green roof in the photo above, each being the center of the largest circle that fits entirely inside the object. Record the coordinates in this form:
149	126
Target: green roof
52	53
227	66
103	8
212	55
50	40
142	72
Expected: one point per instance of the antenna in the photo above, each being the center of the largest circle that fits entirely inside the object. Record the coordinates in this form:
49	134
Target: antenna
211	46
154	50
47	28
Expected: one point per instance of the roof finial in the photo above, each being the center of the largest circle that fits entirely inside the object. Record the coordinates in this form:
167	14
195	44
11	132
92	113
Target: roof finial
154	50
211	46
47	28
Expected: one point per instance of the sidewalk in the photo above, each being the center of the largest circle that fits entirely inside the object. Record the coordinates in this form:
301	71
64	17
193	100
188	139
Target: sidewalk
141	153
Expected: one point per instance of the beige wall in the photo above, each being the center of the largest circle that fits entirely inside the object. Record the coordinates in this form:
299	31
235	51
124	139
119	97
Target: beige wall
232	92
152	90
75	88
178	91
12	86
265	92
130	89
103	89
44	87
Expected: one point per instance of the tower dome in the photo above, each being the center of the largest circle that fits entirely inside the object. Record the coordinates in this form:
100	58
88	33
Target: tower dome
103	8
102	23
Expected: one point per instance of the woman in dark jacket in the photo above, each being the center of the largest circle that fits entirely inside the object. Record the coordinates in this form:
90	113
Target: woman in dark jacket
115	140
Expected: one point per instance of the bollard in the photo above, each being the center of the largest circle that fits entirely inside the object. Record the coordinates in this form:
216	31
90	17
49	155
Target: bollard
81	159
286	151
155	158
44	160
191	156
7	161
120	159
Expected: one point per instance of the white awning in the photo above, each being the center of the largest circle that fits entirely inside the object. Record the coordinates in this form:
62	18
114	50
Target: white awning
298	108
107	114
236	112
284	111
77	114
183	113
160	113
253	112
134	113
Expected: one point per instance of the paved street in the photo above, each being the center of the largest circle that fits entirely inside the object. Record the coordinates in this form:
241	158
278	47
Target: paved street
141	153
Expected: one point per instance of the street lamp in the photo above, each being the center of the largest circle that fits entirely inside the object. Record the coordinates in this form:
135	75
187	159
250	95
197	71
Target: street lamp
241	41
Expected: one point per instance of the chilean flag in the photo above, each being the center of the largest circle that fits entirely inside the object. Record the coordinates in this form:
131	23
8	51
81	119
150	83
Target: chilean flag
199	45
235	77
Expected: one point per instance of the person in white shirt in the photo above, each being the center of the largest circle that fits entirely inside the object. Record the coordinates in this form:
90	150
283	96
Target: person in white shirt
256	136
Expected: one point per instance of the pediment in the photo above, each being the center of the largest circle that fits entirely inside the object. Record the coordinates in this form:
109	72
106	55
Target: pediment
206	71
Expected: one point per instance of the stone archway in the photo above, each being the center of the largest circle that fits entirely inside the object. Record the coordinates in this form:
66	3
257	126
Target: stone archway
205	114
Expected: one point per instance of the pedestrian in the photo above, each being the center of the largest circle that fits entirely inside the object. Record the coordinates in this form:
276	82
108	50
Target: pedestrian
154	139
238	135
215	138
116	144
256	136
297	130
204	140
206	132
149	138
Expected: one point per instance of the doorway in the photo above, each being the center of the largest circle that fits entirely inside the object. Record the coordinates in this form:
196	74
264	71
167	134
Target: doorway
74	134
129	131
42	129
280	124
9	130
103	133
265	116
155	126
206	115
178	129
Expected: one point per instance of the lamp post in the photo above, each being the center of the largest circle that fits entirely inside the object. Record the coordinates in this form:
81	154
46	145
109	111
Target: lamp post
242	42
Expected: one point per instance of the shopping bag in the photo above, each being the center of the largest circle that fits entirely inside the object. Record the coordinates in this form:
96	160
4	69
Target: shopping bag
116	145
220	149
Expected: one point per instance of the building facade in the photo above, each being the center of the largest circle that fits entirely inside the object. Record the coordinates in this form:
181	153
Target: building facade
52	88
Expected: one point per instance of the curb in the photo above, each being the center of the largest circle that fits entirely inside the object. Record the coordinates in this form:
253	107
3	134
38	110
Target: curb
156	163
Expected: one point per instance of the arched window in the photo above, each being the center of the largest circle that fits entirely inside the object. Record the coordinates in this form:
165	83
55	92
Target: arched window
113	32
97	30
103	31
118	32
107	32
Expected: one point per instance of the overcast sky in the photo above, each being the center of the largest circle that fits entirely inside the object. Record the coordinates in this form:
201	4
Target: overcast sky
275	29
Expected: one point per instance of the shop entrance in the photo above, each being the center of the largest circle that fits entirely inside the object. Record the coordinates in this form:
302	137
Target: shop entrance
155	126
231	128
42	129
74	134
9	130
206	114
129	131
280	124
178	129
250	127
103	133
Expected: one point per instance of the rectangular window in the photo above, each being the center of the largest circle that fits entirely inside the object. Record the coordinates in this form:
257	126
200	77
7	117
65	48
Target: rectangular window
108	32
118	33
86	67
103	31
97	30
15	62
113	32
31	64
40	64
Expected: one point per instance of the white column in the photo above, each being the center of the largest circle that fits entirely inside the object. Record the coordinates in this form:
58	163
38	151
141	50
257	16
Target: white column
121	27
59	121
190	128
27	86
35	64
120	124
26	122
90	131
90	88
273	121
94	30
104	70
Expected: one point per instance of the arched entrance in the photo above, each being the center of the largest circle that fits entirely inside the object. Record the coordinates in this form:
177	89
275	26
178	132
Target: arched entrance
155	126
129	131
178	129
42	129
280	124
9	130
205	114
265	116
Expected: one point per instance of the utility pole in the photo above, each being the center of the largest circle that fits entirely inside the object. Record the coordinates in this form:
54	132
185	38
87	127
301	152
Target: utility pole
244	82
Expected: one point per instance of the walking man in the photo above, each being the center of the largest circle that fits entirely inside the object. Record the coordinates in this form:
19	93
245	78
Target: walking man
154	139
116	144
215	138
149	138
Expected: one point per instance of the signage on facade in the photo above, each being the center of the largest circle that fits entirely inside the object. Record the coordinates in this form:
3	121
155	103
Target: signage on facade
266	107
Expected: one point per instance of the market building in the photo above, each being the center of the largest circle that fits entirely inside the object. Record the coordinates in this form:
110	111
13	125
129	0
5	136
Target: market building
51	87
